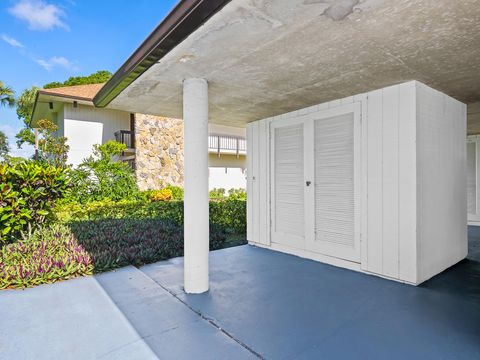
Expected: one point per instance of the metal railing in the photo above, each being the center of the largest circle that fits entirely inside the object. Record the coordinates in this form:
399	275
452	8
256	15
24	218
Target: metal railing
125	137
221	144
132	163
227	144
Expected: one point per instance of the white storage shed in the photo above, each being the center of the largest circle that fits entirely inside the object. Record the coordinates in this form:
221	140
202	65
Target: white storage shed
374	182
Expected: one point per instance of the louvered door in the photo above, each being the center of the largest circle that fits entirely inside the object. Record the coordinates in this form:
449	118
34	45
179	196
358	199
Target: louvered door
315	182
287	183
473	180
335	177
472	177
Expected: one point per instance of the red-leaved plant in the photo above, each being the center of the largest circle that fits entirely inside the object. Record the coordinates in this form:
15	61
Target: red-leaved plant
49	255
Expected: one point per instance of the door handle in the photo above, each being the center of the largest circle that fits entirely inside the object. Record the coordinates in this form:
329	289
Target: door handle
308	183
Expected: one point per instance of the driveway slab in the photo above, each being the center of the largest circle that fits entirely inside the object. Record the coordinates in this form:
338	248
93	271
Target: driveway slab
73	319
285	307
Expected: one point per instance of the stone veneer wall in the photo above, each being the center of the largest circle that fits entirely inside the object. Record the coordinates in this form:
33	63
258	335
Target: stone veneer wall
159	151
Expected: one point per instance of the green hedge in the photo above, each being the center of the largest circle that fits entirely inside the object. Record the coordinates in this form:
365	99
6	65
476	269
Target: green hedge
114	243
228	214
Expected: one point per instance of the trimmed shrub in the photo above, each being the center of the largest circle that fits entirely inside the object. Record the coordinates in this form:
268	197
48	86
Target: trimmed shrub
217	194
28	192
228	214
177	192
49	255
114	243
237	194
126	209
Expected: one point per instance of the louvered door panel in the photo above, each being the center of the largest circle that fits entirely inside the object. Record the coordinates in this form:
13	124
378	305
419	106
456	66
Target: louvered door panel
334	180
288	185
335	194
472	178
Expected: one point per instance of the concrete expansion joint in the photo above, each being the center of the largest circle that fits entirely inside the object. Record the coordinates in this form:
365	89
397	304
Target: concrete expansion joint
211	322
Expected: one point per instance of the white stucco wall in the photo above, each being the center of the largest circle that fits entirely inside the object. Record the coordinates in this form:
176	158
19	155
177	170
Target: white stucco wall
413	182
86	126
227	178
227	171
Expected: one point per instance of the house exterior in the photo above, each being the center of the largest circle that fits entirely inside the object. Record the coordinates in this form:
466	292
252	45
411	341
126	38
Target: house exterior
154	143
356	122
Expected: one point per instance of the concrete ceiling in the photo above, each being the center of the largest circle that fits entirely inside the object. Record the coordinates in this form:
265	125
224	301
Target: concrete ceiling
268	57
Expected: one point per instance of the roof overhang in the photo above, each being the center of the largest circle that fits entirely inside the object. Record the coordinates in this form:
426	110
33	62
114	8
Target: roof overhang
264	58
47	105
184	19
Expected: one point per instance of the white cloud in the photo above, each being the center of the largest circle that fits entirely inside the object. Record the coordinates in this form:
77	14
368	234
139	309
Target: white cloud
39	14
56	61
11	41
26	151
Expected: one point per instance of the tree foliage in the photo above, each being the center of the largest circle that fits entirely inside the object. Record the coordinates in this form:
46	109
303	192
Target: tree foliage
6	95
100	177
25	104
4	148
24	110
52	149
109	150
25	135
95	78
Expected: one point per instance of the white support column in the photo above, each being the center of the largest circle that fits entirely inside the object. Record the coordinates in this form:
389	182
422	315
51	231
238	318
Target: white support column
196	223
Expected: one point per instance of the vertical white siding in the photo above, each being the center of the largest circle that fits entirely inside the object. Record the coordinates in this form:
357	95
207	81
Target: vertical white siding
85	126
375	182
442	205
390	174
263	188
363	100
407	184
252	154
258	197
391	165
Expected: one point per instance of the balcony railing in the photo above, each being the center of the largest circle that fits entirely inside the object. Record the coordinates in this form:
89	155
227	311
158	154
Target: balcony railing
125	137
220	144
227	144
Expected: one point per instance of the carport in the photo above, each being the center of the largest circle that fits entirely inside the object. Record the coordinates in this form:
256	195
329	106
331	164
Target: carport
399	73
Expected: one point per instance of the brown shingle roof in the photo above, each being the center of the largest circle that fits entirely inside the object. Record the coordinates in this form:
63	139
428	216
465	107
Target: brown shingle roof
81	92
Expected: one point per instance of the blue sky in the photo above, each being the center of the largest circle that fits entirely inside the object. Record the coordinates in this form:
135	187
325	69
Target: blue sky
50	40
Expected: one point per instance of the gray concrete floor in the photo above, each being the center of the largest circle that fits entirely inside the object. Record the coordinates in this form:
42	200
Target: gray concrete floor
261	304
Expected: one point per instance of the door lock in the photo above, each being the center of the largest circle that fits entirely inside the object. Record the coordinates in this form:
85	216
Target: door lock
308	183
